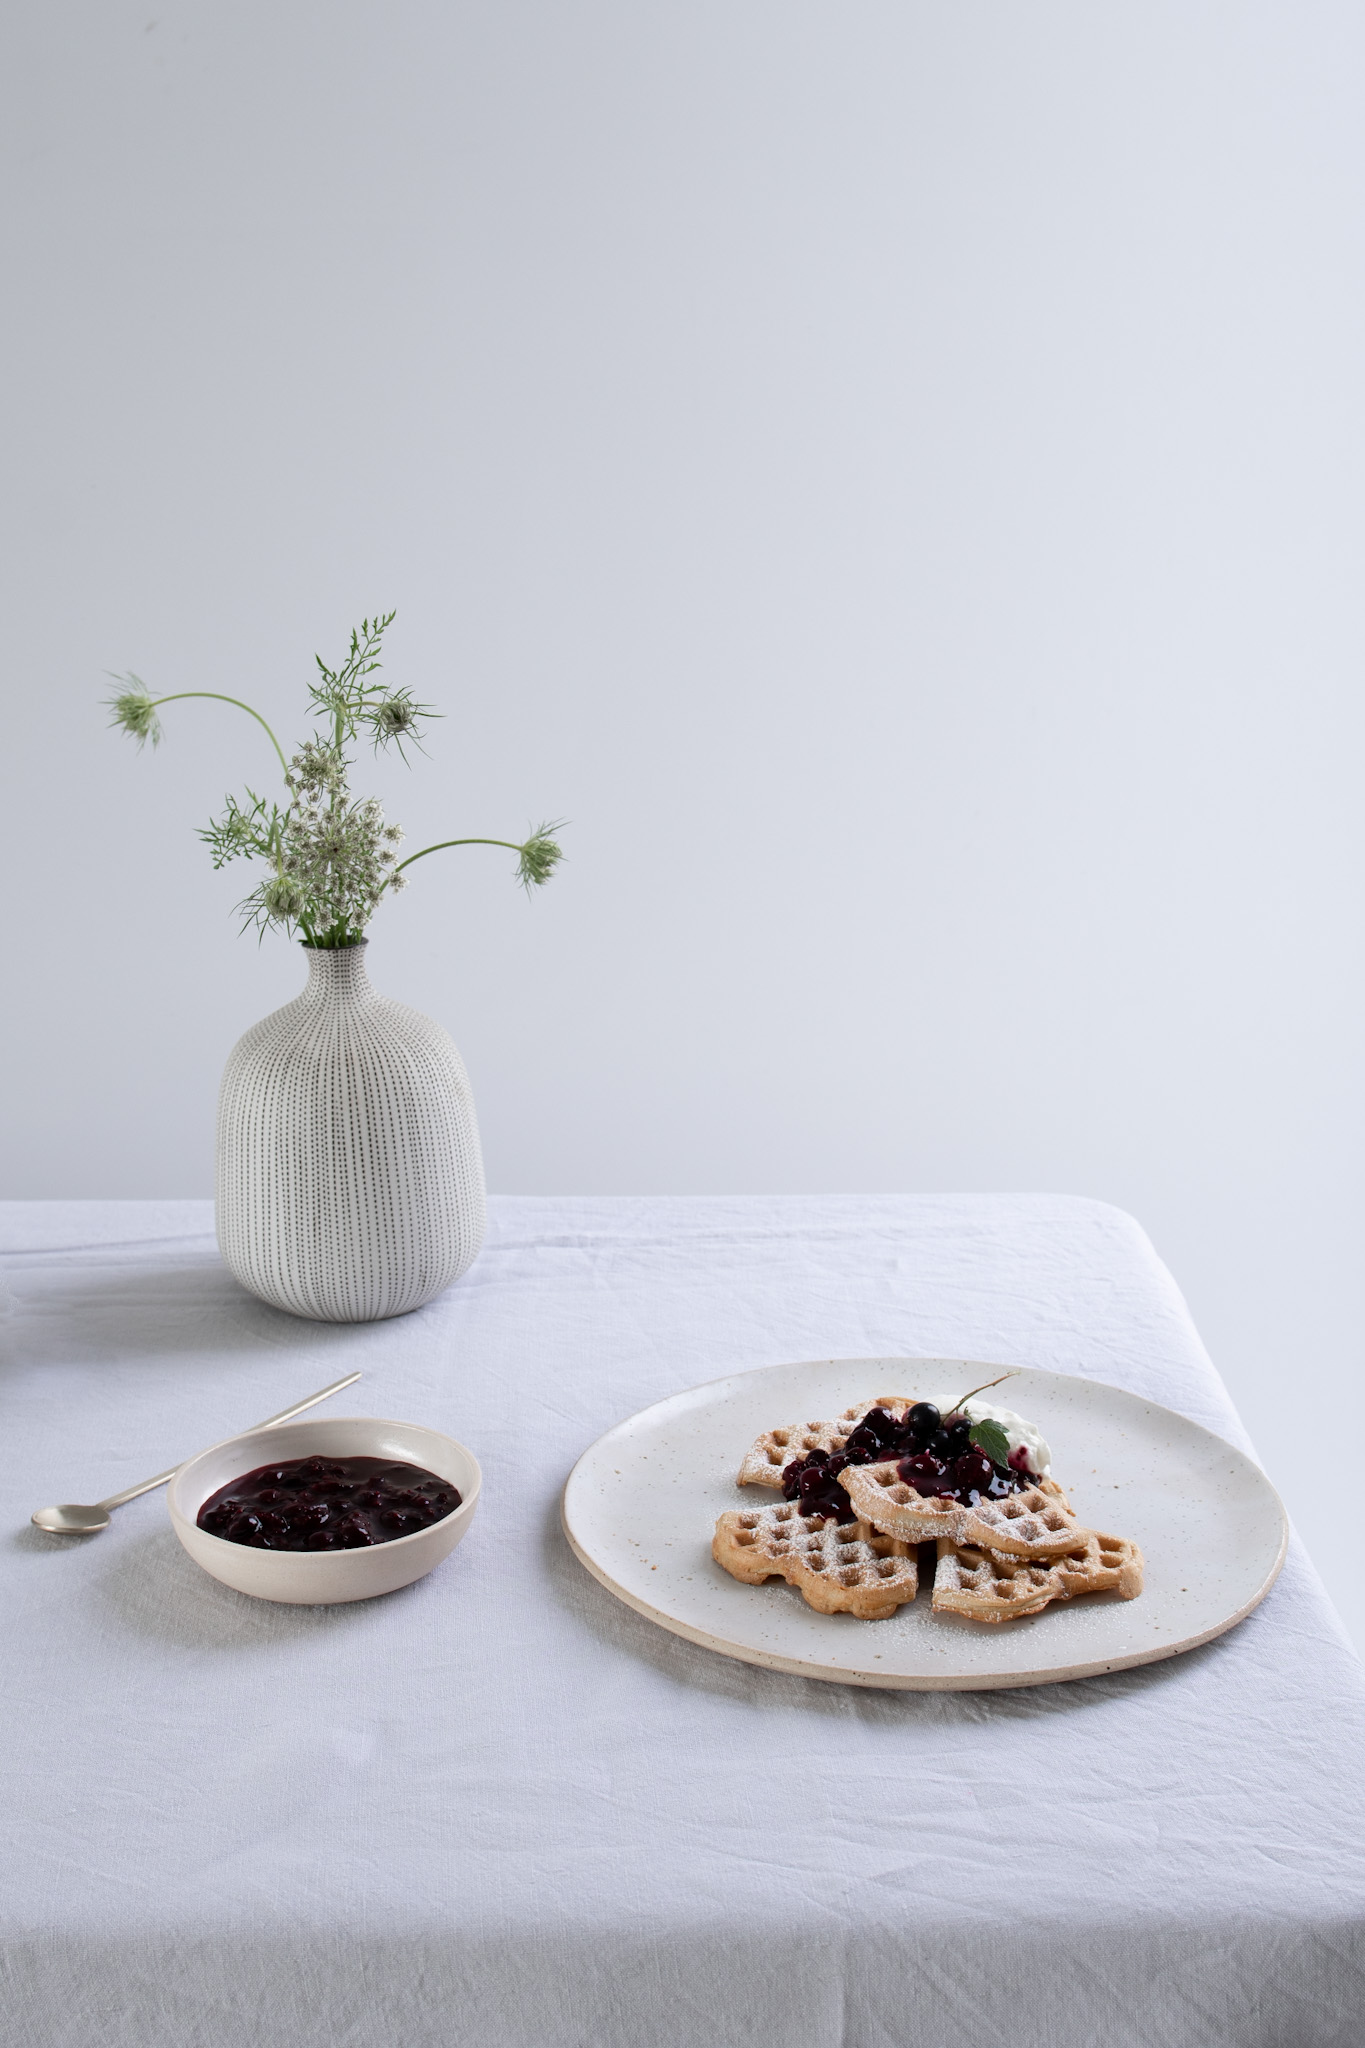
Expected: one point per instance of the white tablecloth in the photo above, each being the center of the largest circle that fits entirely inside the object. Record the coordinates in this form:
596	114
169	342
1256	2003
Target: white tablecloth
501	1809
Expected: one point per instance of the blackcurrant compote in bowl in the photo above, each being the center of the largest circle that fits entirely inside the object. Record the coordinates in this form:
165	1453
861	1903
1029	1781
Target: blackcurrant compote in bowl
327	1509
322	1503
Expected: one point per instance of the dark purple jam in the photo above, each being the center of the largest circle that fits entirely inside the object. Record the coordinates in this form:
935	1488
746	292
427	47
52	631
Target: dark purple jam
934	1454
327	1504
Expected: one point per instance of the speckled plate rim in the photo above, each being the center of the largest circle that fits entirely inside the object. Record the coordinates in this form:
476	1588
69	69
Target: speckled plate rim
1009	1670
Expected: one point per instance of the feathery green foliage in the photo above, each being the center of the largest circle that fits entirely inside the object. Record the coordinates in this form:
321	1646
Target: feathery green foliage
332	857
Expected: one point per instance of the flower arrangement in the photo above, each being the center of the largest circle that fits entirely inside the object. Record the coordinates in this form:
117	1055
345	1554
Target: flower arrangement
332	857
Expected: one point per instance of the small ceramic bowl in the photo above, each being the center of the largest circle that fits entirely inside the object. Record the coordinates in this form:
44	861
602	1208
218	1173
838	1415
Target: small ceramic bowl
318	1578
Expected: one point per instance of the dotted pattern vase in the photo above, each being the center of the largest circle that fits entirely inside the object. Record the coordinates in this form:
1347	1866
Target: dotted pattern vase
350	1180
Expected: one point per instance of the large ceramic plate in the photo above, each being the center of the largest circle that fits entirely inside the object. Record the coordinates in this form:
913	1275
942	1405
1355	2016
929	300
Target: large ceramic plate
640	1507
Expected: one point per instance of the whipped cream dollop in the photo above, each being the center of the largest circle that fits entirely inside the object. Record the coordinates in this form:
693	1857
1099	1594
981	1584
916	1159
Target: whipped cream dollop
1022	1435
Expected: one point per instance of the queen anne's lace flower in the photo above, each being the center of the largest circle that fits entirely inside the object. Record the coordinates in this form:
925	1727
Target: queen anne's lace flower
334	852
135	711
540	856
332	856
282	899
396	717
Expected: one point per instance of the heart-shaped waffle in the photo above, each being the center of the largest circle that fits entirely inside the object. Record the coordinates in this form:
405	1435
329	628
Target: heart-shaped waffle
880	1496
986	1585
765	1460
837	1567
1035	1522
991	1586
1108	1564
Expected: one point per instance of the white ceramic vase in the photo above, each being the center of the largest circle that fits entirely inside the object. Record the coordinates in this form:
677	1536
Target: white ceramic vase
350	1180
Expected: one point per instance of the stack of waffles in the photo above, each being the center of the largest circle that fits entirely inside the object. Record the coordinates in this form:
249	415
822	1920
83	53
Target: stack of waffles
993	1561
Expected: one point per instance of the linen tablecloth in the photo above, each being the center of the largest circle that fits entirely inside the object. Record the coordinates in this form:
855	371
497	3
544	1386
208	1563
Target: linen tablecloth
500	1808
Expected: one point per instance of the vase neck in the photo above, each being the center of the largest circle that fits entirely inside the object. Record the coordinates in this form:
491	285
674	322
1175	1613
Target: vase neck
339	972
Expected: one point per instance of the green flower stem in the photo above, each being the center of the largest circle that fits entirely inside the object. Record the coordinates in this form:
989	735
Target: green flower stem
219	698
510	844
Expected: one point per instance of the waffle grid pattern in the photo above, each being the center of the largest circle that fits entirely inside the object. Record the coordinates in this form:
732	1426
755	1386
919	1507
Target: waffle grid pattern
1036	1522
766	1458
989	1585
995	1560
837	1567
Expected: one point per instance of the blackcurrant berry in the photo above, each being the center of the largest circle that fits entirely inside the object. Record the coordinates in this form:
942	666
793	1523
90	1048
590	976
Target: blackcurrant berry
926	1473
973	1473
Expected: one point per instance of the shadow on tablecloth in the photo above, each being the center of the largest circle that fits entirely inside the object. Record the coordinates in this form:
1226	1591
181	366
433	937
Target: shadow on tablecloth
156	1590
189	1308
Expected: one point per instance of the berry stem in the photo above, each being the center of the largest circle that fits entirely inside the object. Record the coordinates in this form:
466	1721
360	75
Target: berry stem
958	1406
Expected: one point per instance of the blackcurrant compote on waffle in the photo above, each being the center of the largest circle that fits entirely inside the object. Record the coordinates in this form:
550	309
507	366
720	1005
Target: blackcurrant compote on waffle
865	1489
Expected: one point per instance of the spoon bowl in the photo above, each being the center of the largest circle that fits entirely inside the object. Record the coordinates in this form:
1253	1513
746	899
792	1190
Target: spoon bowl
72	1520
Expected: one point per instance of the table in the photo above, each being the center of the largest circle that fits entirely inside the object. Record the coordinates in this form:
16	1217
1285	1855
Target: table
502	1809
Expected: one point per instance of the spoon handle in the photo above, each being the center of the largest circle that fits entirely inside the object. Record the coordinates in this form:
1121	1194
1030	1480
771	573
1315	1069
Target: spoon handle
116	1500
287	1414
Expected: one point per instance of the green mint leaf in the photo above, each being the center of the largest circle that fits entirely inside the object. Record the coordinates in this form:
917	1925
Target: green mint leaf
989	1436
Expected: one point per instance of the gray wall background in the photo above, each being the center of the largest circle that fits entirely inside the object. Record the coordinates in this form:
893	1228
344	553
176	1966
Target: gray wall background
890	474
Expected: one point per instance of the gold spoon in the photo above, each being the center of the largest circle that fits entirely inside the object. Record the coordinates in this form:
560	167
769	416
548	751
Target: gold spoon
74	1520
